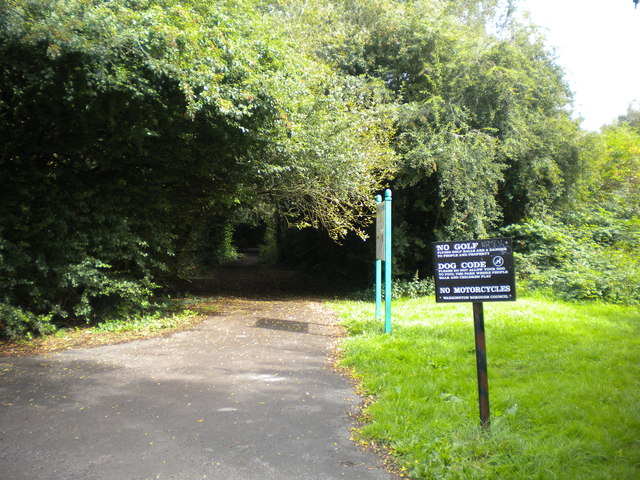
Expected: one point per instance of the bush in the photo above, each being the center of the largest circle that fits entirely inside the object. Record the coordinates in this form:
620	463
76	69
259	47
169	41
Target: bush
17	323
400	288
413	288
582	256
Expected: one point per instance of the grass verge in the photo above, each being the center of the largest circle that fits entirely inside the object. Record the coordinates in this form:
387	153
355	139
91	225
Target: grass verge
564	386
176	315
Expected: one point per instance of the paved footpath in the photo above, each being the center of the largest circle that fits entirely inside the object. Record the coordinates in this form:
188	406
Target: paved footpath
248	394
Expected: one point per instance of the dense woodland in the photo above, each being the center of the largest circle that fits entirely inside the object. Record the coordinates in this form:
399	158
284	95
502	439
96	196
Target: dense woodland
142	139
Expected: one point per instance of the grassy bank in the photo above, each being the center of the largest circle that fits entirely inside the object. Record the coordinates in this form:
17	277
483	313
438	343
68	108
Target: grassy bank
564	385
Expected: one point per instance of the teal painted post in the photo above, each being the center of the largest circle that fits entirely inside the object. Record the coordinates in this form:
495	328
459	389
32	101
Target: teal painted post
378	269
378	289
387	260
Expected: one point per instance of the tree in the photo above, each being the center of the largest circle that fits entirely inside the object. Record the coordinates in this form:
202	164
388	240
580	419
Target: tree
588	248
632	117
617	182
483	131
127	124
482	127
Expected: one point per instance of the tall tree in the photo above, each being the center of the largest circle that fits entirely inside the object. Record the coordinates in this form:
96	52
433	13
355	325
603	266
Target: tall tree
125	124
483	130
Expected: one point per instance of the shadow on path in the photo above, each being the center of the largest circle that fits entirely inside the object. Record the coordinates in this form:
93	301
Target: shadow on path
246	395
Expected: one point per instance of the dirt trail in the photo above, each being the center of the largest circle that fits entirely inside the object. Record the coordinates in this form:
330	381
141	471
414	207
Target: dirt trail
248	394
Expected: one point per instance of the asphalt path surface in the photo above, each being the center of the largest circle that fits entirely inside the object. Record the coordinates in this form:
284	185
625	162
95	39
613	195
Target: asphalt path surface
248	394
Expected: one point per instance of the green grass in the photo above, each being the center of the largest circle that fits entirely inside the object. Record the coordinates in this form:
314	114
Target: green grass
564	386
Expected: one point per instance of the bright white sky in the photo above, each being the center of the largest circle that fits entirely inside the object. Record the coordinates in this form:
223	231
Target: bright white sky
598	44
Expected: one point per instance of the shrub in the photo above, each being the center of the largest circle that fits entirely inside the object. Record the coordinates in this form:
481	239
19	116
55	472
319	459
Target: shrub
415	287
17	323
581	256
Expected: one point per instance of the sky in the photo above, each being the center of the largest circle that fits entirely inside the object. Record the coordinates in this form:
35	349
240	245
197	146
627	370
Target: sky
597	42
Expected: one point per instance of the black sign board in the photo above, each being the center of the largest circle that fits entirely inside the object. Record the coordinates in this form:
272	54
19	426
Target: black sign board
474	271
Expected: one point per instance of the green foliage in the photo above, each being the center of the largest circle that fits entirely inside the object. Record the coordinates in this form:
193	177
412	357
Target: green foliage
216	243
413	288
617	178
400	289
160	317
128	125
17	323
631	118
549	420
583	252
580	256
269	247
104	162
481	128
